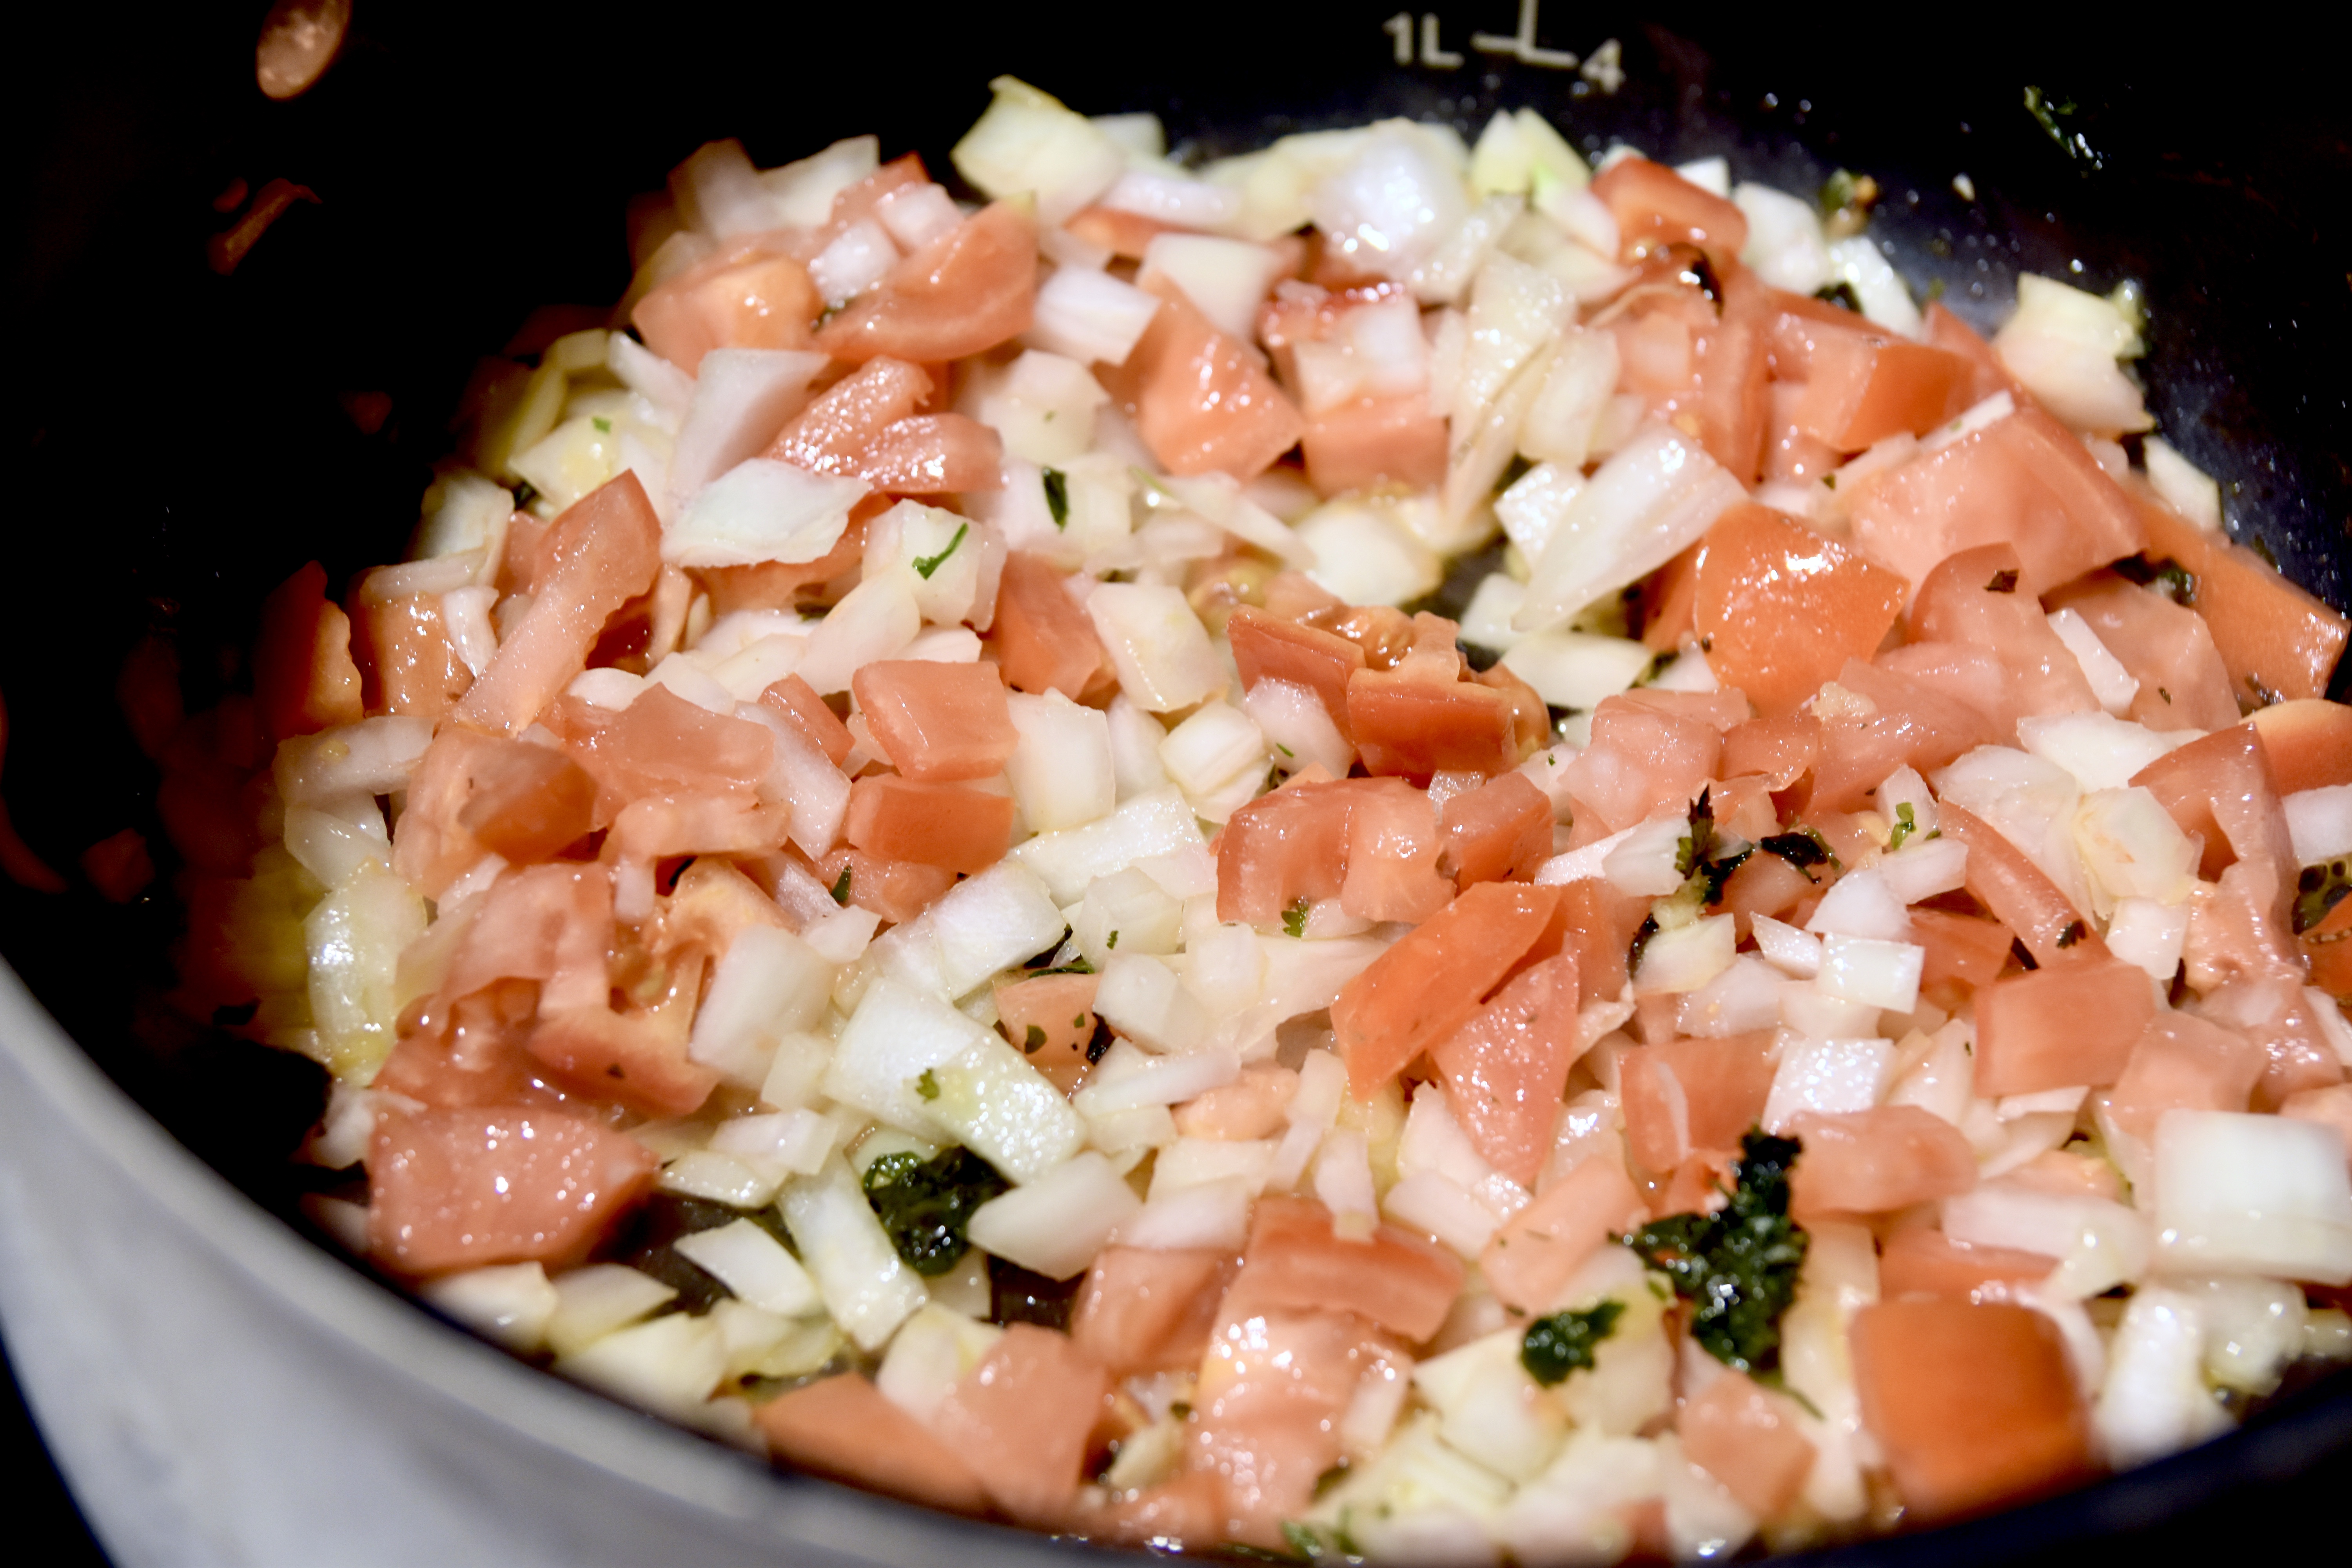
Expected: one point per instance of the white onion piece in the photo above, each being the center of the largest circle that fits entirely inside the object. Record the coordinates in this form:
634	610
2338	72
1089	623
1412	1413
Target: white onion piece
740	399
2320	821
1215	741
762	510
1390	206
1225	279
688	680
1366	555
509	1303
465	613
1744	998
875	620
2240	1194
803	191
930	1351
2154	1401
1486	619
373	756
1687	957
1828	1075
767	985
1129	1079
1793	951
1531	508
1885	297
2186	488
1212	1215
754	1266
332	845
1042	405
1173	198
664	385
916	214
1294	722
1583	865
1126	911
1785	243
2111	683
1436	1206
1090	316
869	1291
1217	497
2099	1244
1142	998
1156	822
1862	903
1653	498
1061	769
1883	974
1056	1225
1156	643
1027	141
1343	1178
2132	849
1924	867
1643	863
992	1101
896	1034
1577	669
2063	344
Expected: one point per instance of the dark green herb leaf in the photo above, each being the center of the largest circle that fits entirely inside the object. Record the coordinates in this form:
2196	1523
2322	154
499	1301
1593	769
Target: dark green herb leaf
2004	582
1075	966
1032	1041
1801	848
1564	1343
1738	1268
1294	919
601	423
2047	112
1906	824
2166	576
1640	942
841	887
927	565
927	1084
2074	932
1841	294
1110	942
925	1205
1057	496
1099	1044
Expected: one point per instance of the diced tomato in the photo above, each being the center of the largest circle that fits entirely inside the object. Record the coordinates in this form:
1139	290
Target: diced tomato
1373	441
842	1426
2223	787
464	1188
797	700
1253	1106
1861	387
2024	480
1268	648
1963	952
1122	234
711	903
653	827
2072	1021
1746	1440
1731	403
1143	1311
1427	985
1539	1249
1655	206
2276	640
895	889
1668	603
2167	647
857	201
474	1053
1042	639
1683	1096
1501	829
407	662
2016	892
1657	351
1973	1406
1597	924
1297	1261
934	454
1050	1018
527	803
1506	1069
1281	847
633	1058
1649	754
304	680
1200	399
661	744
1782	749
970	289
1922	1262
749	296
1908	720
1980	598
1789	454
1765	884
1987	374
1267	1411
833	433
606	549
1021	1418
1781	608
949	826
2183	1062
1393	847
1877	1161
2308	743
1189	1506
936	721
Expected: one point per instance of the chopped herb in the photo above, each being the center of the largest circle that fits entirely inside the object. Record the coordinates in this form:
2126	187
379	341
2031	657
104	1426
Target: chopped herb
1180	1409
1017	1296
1079	1022
1564	1343
1705	858
1272	777
1829	481
1841	294
2046	114
2318	891
525	492
1934	292
2019	952
927	565
2160	691
1801	848
2004	582
1294	919
1846	200
1098	1043
1032	1041
1314	1542
1286	751
928	1084
1738	1268
2074	932
1075	966
1640	942
1057	496
1906	824
601	423
2166	576
1110	942
925	1205
841	887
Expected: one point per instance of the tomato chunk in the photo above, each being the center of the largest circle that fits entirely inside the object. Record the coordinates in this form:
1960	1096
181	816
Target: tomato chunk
1429	984
970	289
1974	1405
407	662
304	677
1981	598
833	433
468	1187
1374	441
1281	847
2016	892
895	889
1297	1261
948	826
936	721
1654	206
2075	1020
1268	648
1782	609
2167	647
1043	640
1505	1070
1920	1262
2183	1062
1200	400
527	803
661	744
2276	640
1539	1249
1682	1097
1502	828
746	297
842	1426
2308	743
1144	1310
1408	725
1392	848
1021	1418
1743	1437
1877	1161
797	700
1050	1018
1861	387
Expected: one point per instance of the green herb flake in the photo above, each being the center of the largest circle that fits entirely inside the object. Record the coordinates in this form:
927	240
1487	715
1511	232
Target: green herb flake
1032	1041
1111	943
1803	848
2166	576
601	423
1057	496
1841	294
927	565
2075	931
525	492
2047	112
2004	582
1293	920
1906	824
928	1084
841	887
1286	751
1739	1267
1098	1045
1565	1341
1075	966
925	1205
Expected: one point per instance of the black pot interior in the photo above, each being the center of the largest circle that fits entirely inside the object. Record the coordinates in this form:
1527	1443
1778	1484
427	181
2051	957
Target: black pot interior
180	440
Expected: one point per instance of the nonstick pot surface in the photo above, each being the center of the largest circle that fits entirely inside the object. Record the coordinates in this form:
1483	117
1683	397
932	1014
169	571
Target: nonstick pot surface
180	440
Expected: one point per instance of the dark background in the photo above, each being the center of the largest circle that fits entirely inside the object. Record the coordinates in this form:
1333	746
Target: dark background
176	442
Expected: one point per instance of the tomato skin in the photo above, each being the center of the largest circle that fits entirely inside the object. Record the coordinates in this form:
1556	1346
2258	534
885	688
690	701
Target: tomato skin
1423	988
407	662
2276	640
845	1428
2183	1062
937	723
1655	206
797	700
949	825
1374	441
1504	1071
749	296
1042	639
1269	647
304	677
1974	1405
1962	601
1781	608
468	1187
970	289
1684	1096
1501	829
1297	1261
527	803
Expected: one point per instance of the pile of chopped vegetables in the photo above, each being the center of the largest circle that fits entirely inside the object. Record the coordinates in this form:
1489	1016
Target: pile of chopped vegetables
906	877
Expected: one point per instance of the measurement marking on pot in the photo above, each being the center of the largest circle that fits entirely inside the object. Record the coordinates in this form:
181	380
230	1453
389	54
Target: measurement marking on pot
1603	68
